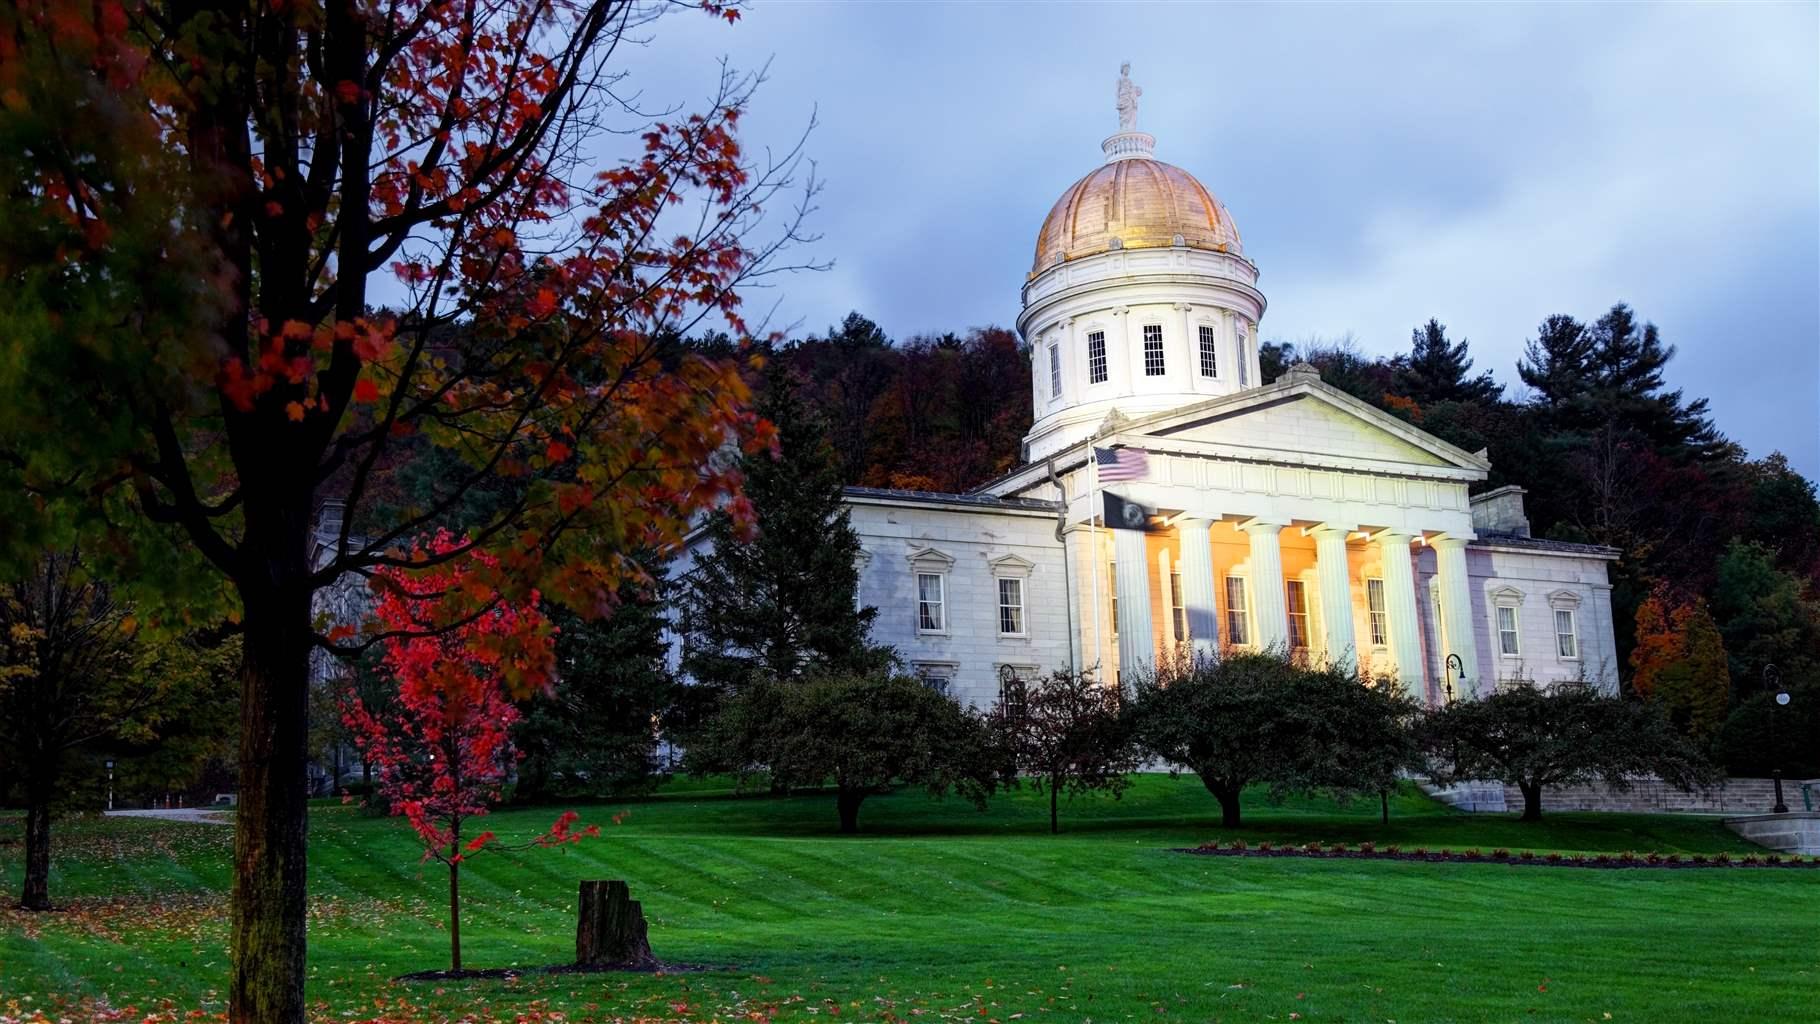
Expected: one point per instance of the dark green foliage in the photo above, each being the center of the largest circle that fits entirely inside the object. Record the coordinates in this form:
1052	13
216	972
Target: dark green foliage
1436	370
1258	718
1761	736
595	732
1533	738
1066	733
861	734
1557	362
1766	615
783	604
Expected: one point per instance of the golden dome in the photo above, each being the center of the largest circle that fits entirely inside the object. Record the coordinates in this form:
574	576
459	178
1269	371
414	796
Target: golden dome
1143	204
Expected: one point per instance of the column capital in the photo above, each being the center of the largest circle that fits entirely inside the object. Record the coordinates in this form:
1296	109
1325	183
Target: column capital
1120	310
1260	524
1345	530
1393	536
1183	307
1451	540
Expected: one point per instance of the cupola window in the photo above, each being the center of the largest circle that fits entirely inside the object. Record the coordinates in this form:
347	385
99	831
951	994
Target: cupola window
1153	350
1210	361
1055	371
1096	357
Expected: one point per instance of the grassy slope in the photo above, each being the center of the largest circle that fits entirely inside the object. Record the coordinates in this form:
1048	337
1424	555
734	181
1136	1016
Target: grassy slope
936	907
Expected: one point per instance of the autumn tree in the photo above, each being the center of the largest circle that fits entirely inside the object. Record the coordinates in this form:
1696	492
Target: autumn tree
79	673
1066	732
1679	662
1535	738
249	250
443	746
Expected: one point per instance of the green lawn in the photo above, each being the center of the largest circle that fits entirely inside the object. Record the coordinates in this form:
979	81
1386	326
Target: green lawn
937	912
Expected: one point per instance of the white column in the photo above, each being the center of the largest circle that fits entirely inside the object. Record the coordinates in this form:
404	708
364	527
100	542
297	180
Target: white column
1400	607
1167	608
1137	650
1191	360
1198	587
1124	383
1336	593
1456	613
1267	602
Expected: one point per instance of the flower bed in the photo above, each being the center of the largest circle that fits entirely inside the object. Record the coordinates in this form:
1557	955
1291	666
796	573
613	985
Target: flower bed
1371	851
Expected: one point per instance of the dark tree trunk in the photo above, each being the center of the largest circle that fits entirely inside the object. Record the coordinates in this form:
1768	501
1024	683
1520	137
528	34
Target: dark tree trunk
1054	827
1228	796
1532	800
848	801
610	929
454	897
36	893
1384	803
272	820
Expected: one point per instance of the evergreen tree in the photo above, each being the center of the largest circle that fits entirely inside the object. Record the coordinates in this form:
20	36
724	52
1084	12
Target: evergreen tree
1626	363
1557	362
782	604
1435	370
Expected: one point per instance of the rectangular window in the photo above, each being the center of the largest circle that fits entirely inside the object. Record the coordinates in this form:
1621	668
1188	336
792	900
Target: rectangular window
1177	609
1011	607
1374	610
1013	694
1297	594
1055	371
1507	631
939	678
1210	357
1096	357
1153	350
1238	619
931	614
1567	639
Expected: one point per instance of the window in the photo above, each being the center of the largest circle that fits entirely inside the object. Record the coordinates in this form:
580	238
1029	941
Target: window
1013	694
1507	631
1297	593
1096	357
1177	609
1238	620
936	676
1374	610
1244	334
1153	350
1567	640
1010	607
931	610
1055	371
1210	360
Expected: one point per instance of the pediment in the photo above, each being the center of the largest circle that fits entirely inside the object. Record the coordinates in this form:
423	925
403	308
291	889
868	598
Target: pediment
1308	418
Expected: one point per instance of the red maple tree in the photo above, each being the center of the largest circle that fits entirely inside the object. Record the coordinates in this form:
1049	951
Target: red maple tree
443	749
264	254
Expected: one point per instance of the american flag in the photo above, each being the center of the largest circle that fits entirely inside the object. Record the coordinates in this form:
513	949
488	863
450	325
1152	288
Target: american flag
1118	464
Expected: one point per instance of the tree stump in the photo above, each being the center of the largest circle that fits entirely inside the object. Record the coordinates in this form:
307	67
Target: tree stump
610	931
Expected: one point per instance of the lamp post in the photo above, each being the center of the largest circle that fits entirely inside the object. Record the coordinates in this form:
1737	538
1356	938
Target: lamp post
1772	679
110	783
1453	667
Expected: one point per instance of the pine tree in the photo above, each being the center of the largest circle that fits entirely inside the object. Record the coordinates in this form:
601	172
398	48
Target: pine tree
1557	360
1435	370
783	604
1626	363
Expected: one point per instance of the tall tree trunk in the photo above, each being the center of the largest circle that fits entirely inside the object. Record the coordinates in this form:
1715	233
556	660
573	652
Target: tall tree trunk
848	800
1532	800
1053	826
1228	796
36	893
1384	804
455	903
272	821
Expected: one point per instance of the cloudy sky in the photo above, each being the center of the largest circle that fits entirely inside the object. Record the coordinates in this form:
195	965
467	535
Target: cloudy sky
1484	165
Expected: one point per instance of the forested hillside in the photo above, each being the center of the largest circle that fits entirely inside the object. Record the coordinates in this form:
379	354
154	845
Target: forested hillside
1608	452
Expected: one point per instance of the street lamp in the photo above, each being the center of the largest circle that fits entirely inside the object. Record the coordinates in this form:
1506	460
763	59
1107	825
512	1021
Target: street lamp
110	783
1454	667
1771	680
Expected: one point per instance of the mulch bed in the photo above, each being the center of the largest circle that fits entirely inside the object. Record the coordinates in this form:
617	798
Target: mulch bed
1523	858
508	973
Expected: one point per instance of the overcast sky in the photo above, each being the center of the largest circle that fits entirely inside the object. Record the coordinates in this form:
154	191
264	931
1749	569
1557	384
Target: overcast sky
1484	165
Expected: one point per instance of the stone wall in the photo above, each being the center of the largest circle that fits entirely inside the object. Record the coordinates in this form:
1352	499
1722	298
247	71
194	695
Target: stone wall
1652	796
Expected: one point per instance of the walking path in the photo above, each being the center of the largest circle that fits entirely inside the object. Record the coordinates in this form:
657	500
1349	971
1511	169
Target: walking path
193	815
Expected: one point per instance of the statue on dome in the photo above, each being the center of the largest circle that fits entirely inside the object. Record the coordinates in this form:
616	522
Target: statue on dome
1127	99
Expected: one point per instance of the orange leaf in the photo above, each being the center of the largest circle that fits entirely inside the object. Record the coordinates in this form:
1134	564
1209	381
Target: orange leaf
295	411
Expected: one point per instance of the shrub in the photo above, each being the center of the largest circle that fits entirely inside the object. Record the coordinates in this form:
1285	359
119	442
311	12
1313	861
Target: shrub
1722	858
1393	848
1527	855
1368	847
1554	858
1474	853
1752	860
1654	857
1500	854
1068	735
1236	844
1697	858
1264	846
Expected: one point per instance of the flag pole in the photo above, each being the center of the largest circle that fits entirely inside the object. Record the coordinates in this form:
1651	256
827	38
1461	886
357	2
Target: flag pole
1093	541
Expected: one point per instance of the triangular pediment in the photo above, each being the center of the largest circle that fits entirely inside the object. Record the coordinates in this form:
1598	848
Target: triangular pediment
1302	416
